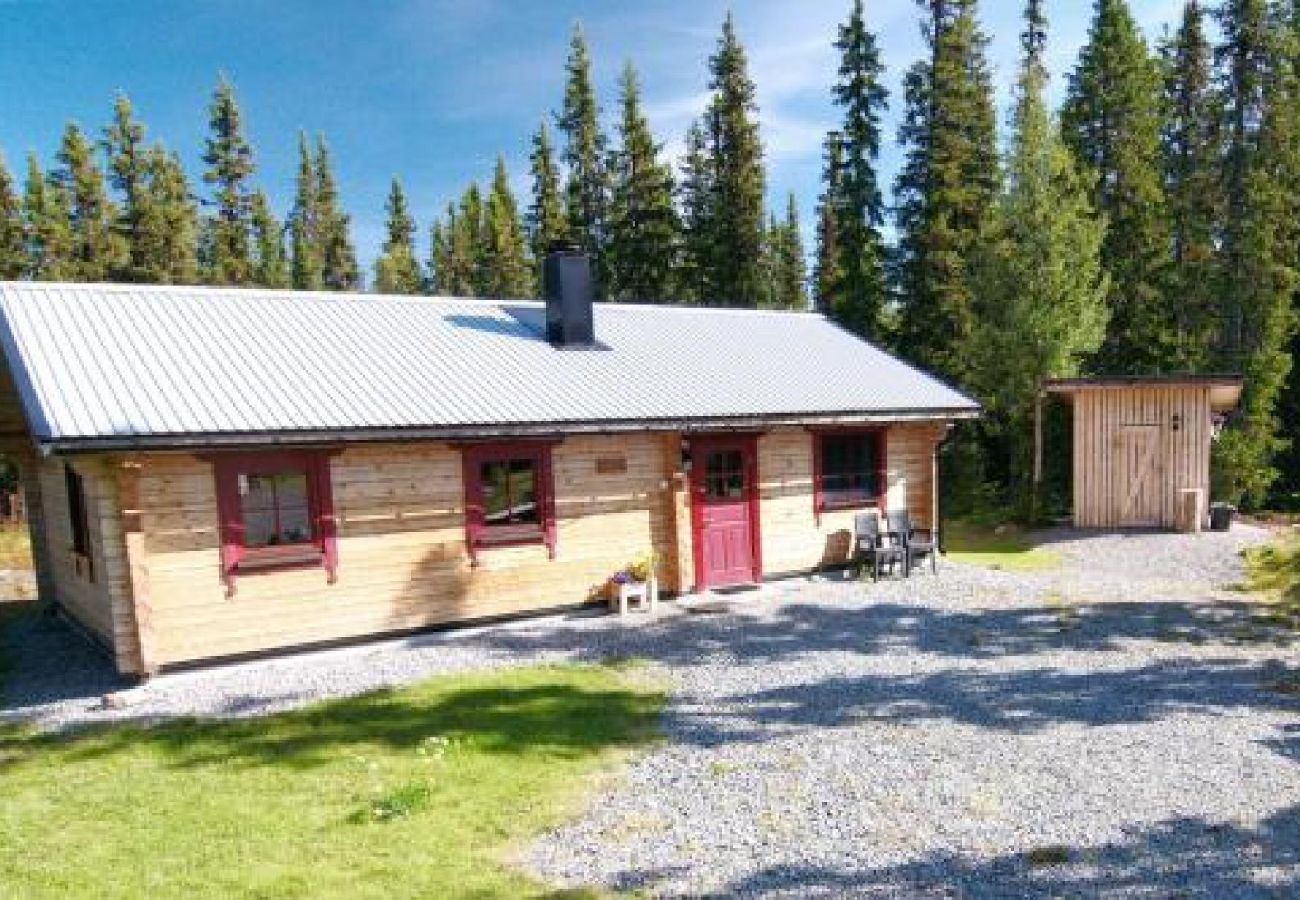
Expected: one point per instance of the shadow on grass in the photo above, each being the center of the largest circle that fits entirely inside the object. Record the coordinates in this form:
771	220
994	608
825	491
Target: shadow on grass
538	710
1184	857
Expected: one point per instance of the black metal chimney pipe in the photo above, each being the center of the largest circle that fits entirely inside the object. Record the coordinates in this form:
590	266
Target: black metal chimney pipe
566	279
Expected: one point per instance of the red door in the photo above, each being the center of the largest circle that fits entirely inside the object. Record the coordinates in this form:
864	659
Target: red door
724	512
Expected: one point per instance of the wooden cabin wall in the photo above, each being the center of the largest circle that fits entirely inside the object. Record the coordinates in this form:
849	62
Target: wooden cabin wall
792	539
402	557
1119	479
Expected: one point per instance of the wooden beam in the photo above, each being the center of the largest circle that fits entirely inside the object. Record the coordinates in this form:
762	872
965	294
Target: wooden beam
128	492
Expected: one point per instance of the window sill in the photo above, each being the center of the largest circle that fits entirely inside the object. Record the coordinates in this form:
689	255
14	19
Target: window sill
841	505
510	538
288	557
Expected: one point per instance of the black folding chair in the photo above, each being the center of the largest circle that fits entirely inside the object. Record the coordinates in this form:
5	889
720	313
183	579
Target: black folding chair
872	546
918	543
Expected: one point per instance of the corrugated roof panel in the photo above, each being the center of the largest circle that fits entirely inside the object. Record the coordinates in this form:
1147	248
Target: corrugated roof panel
110	360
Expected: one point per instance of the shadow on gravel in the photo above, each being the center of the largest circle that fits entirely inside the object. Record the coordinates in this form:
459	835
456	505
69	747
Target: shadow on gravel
45	661
1186	857
1018	702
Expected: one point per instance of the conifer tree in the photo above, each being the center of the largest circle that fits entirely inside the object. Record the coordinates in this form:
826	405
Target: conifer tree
338	258
507	268
697	278
1261	273
97	250
457	254
587	189
14	262
788	272
860	299
397	271
124	142
644	230
48	226
304	224
439	254
735	155
270	265
229	158
1038	272
165	246
1190	152
1111	121
946	187
827	278
547	221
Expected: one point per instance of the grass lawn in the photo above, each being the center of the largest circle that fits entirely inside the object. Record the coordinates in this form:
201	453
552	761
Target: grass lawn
423	791
1012	550
1274	572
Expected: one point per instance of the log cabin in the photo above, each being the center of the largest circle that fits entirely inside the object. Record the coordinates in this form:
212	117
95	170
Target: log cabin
217	472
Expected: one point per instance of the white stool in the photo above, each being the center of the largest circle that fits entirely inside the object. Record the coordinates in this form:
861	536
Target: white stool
646	593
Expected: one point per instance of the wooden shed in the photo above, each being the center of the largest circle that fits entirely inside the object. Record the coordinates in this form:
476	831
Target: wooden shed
1142	447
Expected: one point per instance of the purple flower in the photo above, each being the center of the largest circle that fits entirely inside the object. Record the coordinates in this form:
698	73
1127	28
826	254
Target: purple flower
621	578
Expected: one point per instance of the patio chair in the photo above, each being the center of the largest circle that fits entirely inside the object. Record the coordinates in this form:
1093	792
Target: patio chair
871	546
918	542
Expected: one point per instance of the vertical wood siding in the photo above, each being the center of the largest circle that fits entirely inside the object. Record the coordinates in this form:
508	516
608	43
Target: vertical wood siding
1130	462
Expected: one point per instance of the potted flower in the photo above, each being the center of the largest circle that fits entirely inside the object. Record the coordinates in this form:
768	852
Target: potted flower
636	582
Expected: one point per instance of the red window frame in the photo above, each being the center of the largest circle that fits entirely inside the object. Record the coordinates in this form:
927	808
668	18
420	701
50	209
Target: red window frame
239	559
479	535
821	503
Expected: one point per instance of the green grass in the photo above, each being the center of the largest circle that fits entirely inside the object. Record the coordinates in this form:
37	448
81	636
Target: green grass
424	791
1273	572
1012	550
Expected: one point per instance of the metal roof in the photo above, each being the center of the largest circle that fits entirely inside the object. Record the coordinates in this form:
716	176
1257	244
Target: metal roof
129	365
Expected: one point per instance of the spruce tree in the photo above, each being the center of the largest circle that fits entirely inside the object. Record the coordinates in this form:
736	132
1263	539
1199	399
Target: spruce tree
229	158
860	300
547	221
338	258
397	271
124	142
165	246
1190	152
587	189
457	252
788	270
270	265
439	254
644	232
827	271
97	249
304	224
507	268
946	187
1038	272
14	261
48	225
697	277
1261	273
1111	121
735	155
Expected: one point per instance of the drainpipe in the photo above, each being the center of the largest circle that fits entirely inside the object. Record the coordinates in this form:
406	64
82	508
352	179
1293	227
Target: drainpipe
939	449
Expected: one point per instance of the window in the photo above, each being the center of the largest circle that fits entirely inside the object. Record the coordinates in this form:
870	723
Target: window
276	510
78	521
508	495
850	469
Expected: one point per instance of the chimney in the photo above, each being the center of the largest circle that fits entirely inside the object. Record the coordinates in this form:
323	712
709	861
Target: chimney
566	276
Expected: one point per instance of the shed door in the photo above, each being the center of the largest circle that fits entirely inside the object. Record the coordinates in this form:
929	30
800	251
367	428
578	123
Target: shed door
1138	464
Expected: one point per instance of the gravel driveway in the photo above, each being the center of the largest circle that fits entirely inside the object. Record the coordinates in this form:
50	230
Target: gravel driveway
1114	728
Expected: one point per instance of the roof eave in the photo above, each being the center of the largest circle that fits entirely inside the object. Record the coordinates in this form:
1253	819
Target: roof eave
233	440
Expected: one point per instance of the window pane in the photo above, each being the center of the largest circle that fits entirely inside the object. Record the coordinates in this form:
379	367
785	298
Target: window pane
259	529
850	468
510	492
276	509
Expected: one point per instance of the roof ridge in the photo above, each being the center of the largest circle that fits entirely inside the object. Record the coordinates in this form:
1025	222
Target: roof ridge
371	297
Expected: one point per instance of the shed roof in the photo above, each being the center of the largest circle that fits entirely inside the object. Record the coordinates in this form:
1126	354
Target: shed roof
150	366
1225	390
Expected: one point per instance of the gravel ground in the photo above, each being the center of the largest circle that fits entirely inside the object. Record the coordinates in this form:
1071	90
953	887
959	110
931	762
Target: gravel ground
1112	728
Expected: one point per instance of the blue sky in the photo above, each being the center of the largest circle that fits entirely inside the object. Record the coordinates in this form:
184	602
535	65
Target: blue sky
432	90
